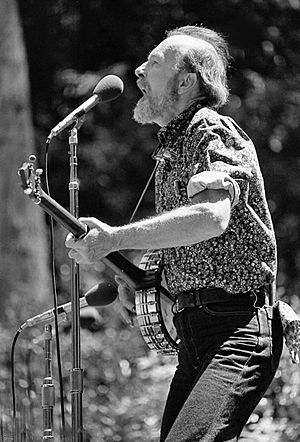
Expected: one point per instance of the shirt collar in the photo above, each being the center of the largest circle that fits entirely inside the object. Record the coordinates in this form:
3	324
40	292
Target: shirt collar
176	125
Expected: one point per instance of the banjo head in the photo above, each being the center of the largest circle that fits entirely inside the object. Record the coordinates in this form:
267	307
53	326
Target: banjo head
154	310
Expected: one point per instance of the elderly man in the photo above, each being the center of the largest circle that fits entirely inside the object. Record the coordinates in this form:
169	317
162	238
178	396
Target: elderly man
215	233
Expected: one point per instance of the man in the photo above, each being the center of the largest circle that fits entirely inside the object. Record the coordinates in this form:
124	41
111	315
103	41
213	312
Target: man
217	240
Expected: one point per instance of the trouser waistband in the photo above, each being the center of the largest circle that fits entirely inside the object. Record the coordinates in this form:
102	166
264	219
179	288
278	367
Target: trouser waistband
204	296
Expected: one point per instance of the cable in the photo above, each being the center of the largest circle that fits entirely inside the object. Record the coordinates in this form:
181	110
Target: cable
13	391
54	289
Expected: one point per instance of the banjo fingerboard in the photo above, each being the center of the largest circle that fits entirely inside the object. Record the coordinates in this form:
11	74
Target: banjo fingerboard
153	301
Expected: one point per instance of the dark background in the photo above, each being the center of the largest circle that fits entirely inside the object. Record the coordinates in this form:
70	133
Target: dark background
70	45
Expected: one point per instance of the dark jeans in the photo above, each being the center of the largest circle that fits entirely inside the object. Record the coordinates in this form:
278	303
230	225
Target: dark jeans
227	359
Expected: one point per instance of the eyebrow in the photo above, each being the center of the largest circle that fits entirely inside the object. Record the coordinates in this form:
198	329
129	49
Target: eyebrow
154	54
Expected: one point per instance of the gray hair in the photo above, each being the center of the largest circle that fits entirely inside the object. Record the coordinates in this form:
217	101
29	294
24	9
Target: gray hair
209	63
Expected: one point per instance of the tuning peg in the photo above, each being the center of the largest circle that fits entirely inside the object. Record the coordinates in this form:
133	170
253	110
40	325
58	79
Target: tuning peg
39	172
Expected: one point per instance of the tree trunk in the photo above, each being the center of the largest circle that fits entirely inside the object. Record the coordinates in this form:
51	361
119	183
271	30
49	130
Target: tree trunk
24	271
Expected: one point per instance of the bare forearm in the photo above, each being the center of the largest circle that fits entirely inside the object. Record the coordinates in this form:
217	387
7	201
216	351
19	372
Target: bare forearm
206	218
182	226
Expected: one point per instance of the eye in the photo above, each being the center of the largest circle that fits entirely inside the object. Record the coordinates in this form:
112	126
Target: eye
154	64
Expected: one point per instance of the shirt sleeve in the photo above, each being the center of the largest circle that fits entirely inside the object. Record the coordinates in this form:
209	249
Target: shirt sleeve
213	180
225	151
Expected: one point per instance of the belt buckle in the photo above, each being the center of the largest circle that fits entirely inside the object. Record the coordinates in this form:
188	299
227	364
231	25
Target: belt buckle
176	307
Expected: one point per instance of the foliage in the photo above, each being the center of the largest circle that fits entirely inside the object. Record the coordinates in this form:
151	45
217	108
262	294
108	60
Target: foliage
97	38
125	387
70	45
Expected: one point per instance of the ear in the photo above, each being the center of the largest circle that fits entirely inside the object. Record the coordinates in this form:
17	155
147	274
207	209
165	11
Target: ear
187	82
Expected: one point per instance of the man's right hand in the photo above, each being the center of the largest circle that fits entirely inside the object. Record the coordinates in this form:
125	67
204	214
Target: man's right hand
126	298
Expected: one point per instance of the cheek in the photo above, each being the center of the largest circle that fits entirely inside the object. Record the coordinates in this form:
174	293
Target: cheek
157	83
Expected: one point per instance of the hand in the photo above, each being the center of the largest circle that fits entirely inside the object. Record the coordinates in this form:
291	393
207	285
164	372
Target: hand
97	243
126	298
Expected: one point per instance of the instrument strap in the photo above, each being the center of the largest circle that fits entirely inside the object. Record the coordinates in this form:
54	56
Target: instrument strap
167	293
156	156
143	192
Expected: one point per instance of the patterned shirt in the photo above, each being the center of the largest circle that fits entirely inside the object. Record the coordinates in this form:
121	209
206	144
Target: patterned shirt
243	258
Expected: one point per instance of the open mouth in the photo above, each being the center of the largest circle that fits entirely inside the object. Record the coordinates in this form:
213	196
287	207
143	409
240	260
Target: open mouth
142	88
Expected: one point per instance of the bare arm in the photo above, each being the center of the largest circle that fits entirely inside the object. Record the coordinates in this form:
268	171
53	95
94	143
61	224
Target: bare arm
206	218
183	226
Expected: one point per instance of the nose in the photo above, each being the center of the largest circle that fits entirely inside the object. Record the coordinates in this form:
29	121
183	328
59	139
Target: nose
140	71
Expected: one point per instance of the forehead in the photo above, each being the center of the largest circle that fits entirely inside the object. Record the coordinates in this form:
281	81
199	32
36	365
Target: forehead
176	45
167	49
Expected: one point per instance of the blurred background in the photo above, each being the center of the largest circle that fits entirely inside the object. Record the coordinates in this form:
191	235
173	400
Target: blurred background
52	55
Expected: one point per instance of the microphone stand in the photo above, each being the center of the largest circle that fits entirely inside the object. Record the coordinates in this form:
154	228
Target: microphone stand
76	373
48	396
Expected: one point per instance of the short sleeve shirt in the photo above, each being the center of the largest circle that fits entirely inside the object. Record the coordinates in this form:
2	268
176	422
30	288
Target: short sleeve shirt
243	258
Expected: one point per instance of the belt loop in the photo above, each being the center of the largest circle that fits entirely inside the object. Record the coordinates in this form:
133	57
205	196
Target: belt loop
176	306
197	298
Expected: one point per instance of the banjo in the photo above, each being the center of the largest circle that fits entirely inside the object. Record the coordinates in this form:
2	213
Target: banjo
153	302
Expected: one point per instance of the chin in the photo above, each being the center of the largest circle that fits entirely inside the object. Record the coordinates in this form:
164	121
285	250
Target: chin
142	112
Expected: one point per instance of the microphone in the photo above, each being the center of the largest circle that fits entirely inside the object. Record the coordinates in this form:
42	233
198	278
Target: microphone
109	88
100	295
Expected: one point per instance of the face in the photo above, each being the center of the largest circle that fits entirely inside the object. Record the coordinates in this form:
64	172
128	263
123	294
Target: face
157	79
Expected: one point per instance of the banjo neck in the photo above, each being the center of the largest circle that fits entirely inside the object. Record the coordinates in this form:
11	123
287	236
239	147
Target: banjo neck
133	275
31	183
145	280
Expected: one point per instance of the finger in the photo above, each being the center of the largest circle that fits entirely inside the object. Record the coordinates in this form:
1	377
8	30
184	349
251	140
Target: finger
89	221
121	281
126	289
126	315
126	299
77	244
78	257
73	243
70	240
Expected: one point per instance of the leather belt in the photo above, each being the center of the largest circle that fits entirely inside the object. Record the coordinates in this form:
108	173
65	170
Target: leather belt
200	297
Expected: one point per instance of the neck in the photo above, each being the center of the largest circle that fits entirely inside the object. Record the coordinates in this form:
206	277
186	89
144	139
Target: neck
178	108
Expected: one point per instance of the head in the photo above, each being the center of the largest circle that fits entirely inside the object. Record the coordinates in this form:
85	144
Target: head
190	64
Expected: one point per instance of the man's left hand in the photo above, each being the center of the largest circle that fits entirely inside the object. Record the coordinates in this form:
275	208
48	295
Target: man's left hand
97	243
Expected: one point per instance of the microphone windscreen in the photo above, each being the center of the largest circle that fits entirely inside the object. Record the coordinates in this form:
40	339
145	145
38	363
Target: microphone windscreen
109	88
101	294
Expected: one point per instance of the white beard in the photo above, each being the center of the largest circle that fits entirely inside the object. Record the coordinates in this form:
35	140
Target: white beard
150	108
145	111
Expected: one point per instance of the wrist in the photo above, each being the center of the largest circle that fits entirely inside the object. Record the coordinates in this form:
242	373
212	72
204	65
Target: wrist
130	236
117	237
